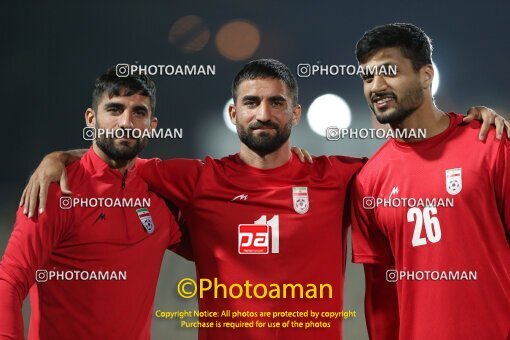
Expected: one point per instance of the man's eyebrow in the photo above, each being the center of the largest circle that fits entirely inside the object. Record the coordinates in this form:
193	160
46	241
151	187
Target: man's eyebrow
272	98
140	108
250	97
386	64
122	106
113	106
278	98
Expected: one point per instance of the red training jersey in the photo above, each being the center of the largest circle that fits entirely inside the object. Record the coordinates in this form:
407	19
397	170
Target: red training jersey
439	210
285	225
96	267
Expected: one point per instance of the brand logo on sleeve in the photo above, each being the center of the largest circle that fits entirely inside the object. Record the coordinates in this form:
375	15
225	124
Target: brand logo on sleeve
454	181
300	199
146	219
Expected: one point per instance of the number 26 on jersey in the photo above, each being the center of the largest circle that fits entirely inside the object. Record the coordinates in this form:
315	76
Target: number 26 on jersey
424	219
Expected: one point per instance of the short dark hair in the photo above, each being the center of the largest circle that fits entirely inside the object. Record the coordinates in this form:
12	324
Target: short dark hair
266	68
413	42
113	85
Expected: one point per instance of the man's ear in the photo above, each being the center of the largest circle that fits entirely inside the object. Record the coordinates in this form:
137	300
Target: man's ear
427	75
232	113
90	117
154	123
296	115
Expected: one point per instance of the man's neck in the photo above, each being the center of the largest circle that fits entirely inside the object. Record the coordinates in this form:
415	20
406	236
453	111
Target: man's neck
269	161
122	166
427	117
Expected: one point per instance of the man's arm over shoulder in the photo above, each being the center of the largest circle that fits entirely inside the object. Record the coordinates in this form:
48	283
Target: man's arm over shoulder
179	242
502	183
30	245
172	179
346	166
369	243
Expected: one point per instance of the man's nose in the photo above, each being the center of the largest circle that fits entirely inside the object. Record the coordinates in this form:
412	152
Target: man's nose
263	112
379	84
126	119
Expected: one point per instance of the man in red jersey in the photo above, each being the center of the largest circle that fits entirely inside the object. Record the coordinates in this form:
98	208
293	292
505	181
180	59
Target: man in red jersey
434	211
254	216
261	219
96	257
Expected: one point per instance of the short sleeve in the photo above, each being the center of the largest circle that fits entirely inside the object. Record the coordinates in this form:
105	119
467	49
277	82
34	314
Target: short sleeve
369	243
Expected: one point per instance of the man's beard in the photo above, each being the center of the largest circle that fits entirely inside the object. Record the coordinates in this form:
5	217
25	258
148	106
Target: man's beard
404	107
264	144
122	151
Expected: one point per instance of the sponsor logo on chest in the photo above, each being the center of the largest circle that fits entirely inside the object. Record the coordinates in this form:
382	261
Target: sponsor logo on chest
261	237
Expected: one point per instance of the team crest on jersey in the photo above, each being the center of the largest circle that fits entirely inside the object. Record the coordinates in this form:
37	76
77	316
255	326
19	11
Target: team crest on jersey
146	219
300	199
454	181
